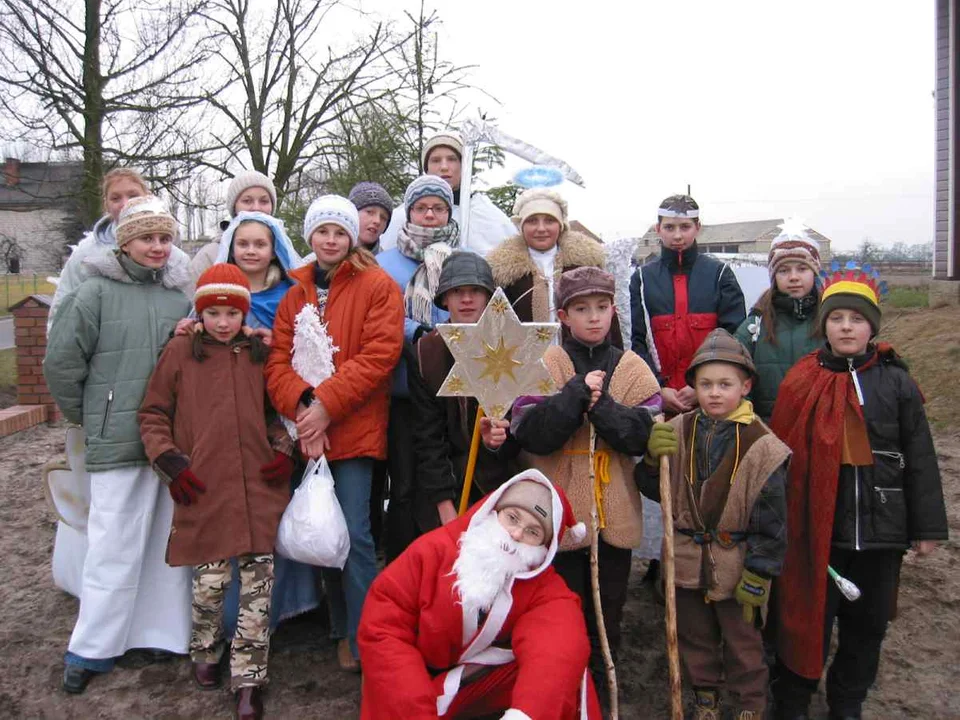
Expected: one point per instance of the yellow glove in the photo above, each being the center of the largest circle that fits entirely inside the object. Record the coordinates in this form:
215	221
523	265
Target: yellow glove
752	593
662	441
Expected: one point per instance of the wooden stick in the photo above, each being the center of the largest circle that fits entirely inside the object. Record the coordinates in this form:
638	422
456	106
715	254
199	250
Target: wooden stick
595	585
471	464
669	591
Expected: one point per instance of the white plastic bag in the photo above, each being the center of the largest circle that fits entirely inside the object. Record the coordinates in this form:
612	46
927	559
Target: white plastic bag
313	529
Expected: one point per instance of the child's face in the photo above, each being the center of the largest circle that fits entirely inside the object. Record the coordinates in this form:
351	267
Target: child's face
678	233
466	303
794	279
373	221
253	247
255	199
331	243
541	231
588	317
430	212
118	193
151	251
444	162
222	322
720	388
848	332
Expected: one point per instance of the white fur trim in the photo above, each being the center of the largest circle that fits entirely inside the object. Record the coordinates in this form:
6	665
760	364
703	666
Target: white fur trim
576	533
514	714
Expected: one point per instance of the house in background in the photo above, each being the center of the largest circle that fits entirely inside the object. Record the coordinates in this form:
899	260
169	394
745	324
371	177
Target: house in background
741	238
945	286
38	216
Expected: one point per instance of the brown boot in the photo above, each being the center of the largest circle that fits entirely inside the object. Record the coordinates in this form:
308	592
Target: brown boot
207	675
345	657
249	703
707	705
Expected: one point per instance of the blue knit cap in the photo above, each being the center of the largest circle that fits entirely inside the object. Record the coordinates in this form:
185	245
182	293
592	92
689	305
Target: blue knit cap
427	186
332	209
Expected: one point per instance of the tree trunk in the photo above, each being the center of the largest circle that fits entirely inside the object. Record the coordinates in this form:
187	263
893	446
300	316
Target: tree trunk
90	201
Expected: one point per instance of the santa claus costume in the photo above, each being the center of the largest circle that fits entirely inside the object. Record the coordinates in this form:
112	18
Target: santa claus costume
467	622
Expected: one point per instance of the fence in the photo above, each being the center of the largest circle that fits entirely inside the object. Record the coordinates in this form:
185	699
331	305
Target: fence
15	287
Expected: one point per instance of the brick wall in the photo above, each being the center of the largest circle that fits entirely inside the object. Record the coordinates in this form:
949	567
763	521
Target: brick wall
30	333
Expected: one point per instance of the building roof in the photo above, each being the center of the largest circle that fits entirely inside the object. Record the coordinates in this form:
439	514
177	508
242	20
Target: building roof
40	184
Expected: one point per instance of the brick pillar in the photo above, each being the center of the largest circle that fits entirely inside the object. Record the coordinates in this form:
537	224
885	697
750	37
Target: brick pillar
30	332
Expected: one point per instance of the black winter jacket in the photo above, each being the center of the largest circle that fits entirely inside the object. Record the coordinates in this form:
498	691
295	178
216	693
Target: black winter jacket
899	498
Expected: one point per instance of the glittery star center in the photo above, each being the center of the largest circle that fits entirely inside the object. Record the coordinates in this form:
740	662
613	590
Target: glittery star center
498	361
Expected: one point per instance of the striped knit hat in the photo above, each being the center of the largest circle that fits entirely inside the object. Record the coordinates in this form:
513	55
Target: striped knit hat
223	284
144	215
334	210
427	186
793	244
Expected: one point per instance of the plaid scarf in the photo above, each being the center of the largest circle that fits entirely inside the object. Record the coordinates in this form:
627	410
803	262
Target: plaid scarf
430	247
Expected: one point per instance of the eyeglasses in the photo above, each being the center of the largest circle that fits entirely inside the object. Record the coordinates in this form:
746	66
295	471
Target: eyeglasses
437	210
513	522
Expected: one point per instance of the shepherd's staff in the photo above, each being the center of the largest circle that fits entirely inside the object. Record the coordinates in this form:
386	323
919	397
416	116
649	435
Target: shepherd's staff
608	663
669	591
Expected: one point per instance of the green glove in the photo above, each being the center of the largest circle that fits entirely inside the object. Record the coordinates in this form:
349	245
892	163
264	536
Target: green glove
662	441
752	593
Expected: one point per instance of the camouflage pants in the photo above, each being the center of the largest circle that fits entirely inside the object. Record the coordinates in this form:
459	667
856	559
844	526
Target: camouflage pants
251	642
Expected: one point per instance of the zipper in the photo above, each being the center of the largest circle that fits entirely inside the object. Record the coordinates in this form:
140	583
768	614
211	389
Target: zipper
893	456
856	514
856	380
882	492
106	412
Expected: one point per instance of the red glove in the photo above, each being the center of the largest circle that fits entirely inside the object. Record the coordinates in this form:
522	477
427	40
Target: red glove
186	488
279	470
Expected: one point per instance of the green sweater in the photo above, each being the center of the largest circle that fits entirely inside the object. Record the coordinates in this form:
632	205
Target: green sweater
103	345
795	323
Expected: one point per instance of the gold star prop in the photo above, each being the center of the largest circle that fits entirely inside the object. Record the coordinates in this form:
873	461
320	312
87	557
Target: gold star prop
498	359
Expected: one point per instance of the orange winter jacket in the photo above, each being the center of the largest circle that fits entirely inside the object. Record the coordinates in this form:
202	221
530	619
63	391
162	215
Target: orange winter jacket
364	316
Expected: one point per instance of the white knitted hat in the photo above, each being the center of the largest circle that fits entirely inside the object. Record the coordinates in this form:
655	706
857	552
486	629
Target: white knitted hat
540	201
245	180
332	209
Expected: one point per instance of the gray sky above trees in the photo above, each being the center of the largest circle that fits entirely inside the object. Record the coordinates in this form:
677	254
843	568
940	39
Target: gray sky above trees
821	109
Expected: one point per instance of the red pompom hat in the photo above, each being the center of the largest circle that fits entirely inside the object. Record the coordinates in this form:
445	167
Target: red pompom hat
223	284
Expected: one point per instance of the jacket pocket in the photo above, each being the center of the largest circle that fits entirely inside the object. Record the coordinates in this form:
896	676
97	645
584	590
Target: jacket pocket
106	413
888	504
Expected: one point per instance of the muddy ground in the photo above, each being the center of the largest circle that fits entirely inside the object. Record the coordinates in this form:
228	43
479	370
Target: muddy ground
918	673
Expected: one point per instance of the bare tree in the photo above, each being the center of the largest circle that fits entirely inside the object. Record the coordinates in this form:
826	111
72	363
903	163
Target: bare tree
109	80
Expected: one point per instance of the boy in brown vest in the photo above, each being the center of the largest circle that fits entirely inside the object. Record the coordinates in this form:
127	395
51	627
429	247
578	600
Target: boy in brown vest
729	512
617	393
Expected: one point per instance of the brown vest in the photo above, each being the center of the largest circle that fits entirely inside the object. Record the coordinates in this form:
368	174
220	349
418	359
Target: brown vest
724	504
569	469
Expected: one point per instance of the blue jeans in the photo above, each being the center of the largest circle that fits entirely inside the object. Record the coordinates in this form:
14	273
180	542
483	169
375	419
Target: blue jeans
101	666
351	482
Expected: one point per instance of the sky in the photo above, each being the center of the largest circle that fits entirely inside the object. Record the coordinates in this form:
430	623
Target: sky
818	110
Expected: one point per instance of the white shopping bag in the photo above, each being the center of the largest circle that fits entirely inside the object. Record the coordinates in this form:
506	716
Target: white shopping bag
313	529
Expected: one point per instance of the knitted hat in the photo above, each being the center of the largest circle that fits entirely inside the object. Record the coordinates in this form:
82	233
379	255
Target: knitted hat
793	244
144	215
586	280
462	269
248	179
365	194
679	206
222	284
448	138
852	288
720	346
427	186
540	201
333	209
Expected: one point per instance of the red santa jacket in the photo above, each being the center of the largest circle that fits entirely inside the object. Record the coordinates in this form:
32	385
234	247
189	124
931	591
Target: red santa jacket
413	636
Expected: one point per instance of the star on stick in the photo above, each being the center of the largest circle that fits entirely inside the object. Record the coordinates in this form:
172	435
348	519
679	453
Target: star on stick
498	359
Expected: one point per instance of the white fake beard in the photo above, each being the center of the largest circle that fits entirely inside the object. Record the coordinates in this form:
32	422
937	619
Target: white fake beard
488	559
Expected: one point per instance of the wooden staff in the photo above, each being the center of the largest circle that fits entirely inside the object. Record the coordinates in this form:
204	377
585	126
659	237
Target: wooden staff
595	585
669	591
471	463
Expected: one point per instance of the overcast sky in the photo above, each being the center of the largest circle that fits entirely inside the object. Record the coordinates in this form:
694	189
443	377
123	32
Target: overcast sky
820	110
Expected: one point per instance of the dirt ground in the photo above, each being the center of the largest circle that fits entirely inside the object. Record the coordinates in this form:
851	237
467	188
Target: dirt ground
920	662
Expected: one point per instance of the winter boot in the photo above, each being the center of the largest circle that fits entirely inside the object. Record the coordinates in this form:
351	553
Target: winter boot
707	705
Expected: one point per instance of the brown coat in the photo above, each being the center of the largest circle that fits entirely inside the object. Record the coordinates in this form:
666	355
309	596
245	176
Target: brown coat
214	412
761	454
632	383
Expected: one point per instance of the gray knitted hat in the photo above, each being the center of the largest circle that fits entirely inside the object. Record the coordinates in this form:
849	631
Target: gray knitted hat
245	180
427	186
365	194
461	269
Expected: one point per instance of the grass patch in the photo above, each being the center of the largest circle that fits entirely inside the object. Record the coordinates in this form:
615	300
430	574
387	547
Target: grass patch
8	377
907	297
14	288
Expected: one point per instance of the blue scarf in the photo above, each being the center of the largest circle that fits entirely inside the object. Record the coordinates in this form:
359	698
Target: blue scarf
263	304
